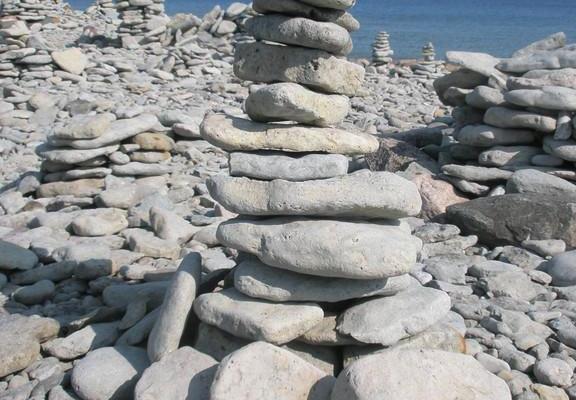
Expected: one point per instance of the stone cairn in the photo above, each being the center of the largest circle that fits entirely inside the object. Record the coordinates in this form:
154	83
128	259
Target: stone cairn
428	52
81	154
381	51
142	21
323	256
514	120
30	11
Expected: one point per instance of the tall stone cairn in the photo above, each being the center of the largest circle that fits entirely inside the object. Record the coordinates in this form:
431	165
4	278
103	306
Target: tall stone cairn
29	11
312	238
143	21
381	51
428	52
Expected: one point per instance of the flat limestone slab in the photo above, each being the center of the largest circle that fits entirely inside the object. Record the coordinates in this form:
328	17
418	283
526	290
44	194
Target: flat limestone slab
388	320
248	318
256	279
301	32
503	117
72	156
555	59
237	134
549	97
488	136
325	247
275	165
299	9
263	371
260	62
293	102
363	194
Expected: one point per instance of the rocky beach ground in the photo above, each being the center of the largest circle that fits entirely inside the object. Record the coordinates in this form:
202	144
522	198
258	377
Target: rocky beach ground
419	220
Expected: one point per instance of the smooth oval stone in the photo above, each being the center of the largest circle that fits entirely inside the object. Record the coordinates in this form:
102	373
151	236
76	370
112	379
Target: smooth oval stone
363	194
564	149
406	374
237	134
485	97
549	97
388	320
476	174
249	318
555	59
263	371
533	181
500	156
275	165
335	4
503	117
562	269
329	248
14	257
299	9
293	102
314	68
256	279
547	160
301	32
488	136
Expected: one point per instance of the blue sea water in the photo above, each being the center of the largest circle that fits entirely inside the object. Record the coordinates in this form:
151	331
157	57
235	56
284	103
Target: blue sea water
498	27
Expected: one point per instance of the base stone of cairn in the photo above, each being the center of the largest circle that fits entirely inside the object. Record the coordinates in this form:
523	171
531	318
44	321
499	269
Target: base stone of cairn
142	21
78	157
324	255
514	120
381	51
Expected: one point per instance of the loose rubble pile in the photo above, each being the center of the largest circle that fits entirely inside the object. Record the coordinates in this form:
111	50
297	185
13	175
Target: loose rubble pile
514	126
381	51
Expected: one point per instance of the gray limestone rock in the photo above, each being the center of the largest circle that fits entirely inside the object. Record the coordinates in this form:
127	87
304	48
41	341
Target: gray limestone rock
501	156
552	42
503	117
549	98
533	181
485	97
564	149
562	269
85	127
553	59
488	136
476	174
14	257
332	4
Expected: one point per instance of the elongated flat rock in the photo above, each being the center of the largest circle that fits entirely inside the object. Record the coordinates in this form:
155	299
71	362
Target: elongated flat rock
476	174
237	134
72	156
293	102
555	59
256	319
314	68
539	78
388	320
564	149
335	4
489	136
555	41
301	32
549	97
299	9
263	371
363	194
274	165
503	117
330	248
256	279
407	373
500	156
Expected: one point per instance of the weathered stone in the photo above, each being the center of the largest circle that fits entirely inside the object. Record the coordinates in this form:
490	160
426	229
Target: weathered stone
261	370
552	42
100	222
562	269
16	353
405	374
71	60
503	117
272	165
537	79
293	102
170	226
500	156
564	149
488	136
549	98
258	280
16	257
248	318
314	68
533	181
301	32
326	334
554	372
485	97
388	320
73	156
476	174
81	342
153	141
328	248
555	59
236	134
332	4
481	63
363	194
85	127
37	293
79	188
462	78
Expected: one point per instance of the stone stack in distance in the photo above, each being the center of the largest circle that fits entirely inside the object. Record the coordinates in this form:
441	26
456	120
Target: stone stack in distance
143	21
30	11
313	238
381	51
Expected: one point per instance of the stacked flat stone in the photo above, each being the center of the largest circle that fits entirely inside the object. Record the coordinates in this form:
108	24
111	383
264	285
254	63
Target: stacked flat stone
428	52
381	51
514	120
30	11
312	237
142	21
79	156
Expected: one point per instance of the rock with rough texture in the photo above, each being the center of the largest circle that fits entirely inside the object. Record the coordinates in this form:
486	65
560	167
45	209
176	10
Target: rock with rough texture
549	97
329	248
554	372
100	222
255	279
314	68
263	371
564	149
301	32
500	156
388	320
363	194
15	257
533	181
17	353
513	218
73	156
109	373
554	59
248	318
293	102
85	127
555	41
169	327
71	60
405	374
180	375
237	134
79	188
271	165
